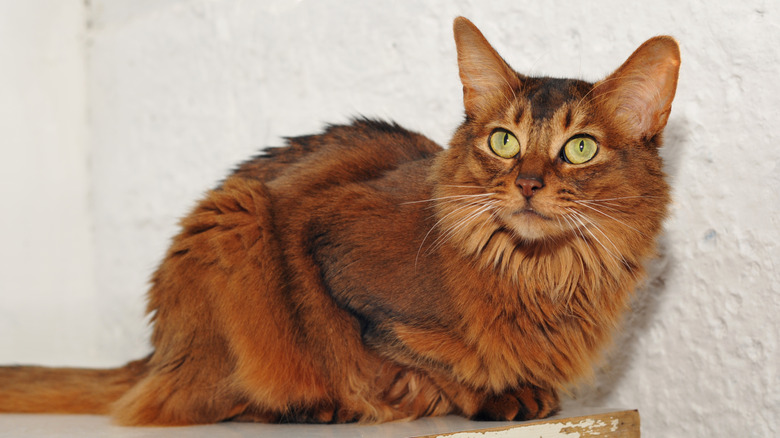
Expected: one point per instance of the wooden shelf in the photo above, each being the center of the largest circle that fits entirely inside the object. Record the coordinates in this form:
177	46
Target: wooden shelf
618	424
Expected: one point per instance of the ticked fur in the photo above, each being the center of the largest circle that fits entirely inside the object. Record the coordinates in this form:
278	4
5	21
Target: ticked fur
368	274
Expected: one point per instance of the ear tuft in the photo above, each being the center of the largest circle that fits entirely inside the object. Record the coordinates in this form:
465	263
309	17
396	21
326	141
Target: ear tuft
484	74
639	94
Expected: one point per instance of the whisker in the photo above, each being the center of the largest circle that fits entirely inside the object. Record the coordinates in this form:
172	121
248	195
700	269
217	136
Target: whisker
618	208
602	203
442	219
460	224
465	187
569	218
485	222
456	197
621	197
457	226
449	201
577	217
431	230
597	228
611	217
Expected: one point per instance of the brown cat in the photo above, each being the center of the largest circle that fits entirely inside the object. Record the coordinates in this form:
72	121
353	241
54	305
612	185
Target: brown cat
368	274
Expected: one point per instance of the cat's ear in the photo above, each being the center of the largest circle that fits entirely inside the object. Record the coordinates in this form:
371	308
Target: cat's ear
486	77
639	94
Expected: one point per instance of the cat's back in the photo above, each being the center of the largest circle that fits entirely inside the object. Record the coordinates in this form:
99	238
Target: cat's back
360	151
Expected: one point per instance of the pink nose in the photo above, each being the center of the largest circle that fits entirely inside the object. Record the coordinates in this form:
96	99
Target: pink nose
529	185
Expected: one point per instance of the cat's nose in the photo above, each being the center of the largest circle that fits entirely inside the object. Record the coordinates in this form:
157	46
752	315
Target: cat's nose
529	184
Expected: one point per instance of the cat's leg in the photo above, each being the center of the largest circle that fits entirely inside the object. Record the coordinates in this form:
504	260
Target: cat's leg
395	392
184	383
164	399
413	392
294	353
464	385
249	413
526	402
225	336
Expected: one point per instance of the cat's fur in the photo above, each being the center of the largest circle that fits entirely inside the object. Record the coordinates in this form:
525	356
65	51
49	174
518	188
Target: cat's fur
367	274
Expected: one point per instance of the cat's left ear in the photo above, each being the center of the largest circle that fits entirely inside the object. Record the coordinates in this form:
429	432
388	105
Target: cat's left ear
486	77
639	94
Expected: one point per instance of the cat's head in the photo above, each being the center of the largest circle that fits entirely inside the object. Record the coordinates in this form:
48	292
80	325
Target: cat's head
545	159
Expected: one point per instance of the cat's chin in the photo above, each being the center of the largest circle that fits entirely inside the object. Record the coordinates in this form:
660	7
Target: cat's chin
531	226
530	234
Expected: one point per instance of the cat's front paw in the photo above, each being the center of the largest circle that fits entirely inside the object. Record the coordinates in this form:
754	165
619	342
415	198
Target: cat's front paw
326	413
524	403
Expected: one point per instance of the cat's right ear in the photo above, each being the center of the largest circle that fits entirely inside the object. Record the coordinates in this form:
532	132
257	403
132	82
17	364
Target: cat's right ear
639	94
486	77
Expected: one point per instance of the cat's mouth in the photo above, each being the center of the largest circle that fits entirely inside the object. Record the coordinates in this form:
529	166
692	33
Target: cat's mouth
530	212
531	225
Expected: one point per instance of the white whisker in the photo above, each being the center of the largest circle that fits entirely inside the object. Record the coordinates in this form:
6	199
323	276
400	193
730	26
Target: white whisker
609	216
622	197
452	201
447	234
618	208
597	228
455	197
584	227
569	218
442	219
464	187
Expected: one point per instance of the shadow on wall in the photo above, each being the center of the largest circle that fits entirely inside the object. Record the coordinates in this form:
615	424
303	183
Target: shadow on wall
619	360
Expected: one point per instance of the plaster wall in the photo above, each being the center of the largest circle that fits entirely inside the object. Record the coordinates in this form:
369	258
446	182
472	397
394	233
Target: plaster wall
179	91
48	311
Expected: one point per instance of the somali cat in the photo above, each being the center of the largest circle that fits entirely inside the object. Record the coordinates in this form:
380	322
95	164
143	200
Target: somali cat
367	274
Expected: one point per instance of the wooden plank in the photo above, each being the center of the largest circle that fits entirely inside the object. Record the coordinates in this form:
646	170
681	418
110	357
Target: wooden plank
618	424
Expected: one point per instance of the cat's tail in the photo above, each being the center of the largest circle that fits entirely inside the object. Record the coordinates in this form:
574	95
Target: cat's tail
28	389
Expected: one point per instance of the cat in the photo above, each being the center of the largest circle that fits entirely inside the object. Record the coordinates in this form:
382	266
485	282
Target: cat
367	274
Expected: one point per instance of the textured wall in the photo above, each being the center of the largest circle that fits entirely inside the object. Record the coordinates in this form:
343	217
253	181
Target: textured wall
46	279
181	90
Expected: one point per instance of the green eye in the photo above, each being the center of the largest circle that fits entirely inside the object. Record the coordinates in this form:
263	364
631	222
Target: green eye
579	150
504	144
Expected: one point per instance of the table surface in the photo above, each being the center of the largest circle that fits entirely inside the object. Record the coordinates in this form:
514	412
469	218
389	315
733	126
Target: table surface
86	426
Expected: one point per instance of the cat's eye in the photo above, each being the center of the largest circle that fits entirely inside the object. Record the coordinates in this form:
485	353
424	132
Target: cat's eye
504	144
579	150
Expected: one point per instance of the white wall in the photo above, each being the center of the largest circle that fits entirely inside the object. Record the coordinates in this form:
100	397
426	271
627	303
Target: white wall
181	90
48	312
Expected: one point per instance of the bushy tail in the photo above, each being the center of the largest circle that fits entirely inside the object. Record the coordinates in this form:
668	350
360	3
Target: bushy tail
65	390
